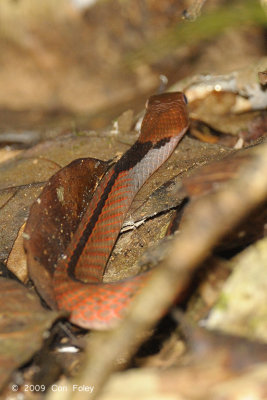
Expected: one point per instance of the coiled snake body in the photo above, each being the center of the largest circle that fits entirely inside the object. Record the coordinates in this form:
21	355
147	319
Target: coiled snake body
78	276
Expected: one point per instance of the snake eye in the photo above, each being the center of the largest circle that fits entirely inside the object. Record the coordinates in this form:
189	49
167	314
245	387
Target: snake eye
185	99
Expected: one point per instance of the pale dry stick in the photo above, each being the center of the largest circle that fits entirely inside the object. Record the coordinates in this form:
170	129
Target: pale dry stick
25	137
194	10
212	217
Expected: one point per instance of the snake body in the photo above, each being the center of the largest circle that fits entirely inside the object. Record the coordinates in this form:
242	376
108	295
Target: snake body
78	276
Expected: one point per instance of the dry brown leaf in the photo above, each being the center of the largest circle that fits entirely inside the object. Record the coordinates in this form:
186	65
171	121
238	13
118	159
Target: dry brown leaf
55	216
23	326
16	261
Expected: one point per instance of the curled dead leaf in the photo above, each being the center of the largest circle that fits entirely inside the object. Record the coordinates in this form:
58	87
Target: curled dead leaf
54	217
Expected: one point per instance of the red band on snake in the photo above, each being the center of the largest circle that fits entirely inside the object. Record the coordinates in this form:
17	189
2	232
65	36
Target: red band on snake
78	277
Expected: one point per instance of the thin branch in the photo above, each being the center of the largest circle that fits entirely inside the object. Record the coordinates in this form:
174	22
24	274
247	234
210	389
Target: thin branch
194	10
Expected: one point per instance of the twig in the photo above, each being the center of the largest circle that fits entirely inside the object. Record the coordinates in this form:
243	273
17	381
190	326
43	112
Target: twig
194	10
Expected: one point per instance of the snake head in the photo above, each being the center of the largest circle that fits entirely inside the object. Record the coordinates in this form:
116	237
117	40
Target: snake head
166	116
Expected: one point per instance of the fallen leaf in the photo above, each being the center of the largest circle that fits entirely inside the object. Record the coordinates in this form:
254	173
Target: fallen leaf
54	217
241	307
23	178
22	319
16	261
208	179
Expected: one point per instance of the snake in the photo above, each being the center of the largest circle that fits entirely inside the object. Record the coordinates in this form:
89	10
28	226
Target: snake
78	278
